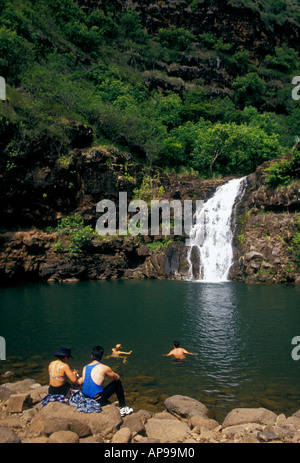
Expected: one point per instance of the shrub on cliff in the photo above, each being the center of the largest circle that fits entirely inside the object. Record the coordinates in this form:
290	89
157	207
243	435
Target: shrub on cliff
285	59
80	234
174	37
284	171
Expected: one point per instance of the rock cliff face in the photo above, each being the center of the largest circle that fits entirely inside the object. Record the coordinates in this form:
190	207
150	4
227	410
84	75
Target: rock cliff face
267	221
45	195
238	24
242	27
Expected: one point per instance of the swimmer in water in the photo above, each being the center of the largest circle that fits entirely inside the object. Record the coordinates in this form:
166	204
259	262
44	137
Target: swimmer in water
116	351
178	352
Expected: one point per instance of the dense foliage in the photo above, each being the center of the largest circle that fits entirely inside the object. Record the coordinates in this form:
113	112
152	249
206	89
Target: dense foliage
80	234
66	66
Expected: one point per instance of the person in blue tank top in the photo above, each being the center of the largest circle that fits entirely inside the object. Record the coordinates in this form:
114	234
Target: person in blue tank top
92	380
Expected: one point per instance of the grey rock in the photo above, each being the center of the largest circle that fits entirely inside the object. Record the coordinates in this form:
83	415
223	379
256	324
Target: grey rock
249	415
185	407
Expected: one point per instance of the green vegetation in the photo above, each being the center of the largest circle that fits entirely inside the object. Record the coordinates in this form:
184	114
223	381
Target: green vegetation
296	247
282	172
222	147
158	245
177	38
65	66
279	10
80	235
294	242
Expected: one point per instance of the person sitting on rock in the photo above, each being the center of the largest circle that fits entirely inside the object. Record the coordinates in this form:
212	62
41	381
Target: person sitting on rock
92	379
60	374
178	352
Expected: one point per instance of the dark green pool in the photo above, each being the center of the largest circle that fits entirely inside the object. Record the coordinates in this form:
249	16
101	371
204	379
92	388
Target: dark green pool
243	335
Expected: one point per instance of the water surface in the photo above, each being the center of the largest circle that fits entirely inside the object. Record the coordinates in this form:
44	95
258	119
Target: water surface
242	335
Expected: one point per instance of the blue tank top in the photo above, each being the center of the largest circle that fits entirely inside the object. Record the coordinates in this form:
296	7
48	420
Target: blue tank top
90	388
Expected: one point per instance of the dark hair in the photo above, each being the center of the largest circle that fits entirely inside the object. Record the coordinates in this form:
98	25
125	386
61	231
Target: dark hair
97	352
176	343
61	357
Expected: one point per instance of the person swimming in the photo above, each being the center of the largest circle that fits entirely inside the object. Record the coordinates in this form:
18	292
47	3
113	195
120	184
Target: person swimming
178	352
116	352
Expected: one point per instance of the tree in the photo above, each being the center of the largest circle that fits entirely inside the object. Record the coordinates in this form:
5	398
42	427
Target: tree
249	90
130	27
16	54
233	149
181	142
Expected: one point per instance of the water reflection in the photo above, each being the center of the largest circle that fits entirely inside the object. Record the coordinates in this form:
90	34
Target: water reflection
215	329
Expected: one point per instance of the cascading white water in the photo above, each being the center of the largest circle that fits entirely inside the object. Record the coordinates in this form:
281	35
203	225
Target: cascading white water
211	236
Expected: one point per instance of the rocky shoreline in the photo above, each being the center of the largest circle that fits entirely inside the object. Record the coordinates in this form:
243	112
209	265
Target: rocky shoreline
184	420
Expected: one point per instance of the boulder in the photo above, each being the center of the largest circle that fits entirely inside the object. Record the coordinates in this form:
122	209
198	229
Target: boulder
134	423
7	436
63	437
103	423
203	421
271	434
38	393
297	414
294	420
185	407
52	425
5	393
8	374
144	415
21	387
109	420
249	415
167	430
16	402
241	431
123	436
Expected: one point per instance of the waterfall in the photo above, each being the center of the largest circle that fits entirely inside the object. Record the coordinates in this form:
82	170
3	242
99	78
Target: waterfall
210	251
